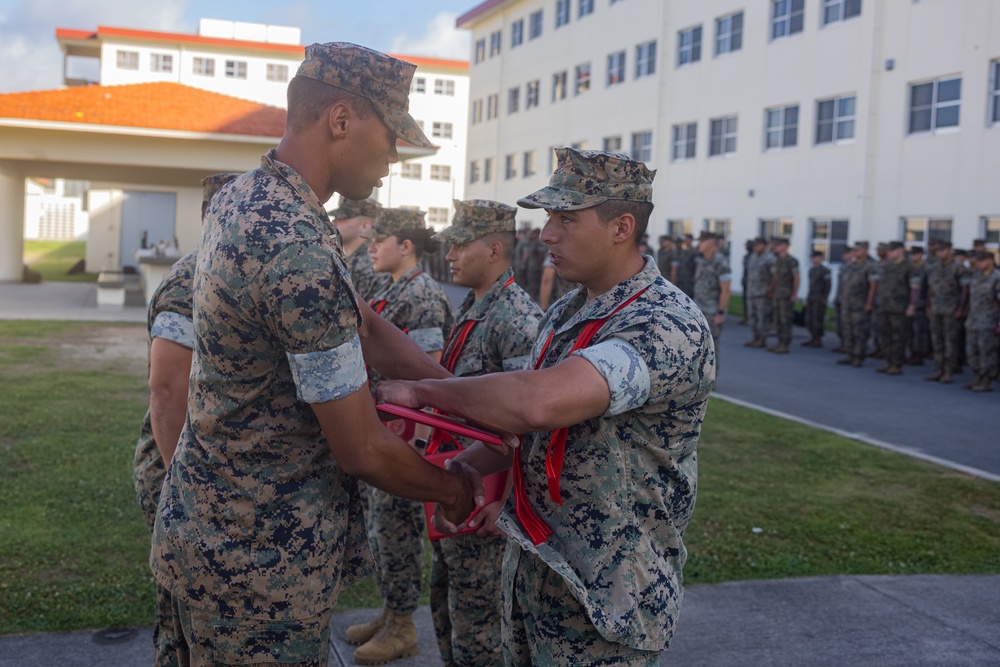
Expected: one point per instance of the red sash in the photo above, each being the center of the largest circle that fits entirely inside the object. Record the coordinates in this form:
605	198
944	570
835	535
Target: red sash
379	306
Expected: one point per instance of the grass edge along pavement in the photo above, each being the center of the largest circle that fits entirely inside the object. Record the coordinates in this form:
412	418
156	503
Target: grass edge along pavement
776	498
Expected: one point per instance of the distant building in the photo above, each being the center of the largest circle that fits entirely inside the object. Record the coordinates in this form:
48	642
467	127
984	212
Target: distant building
827	121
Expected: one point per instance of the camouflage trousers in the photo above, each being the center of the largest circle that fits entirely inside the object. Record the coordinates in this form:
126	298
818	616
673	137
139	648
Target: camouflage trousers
395	533
545	625
783	313
945	341
465	599
856	328
816	317
894	338
981	347
220	640
760	316
920	336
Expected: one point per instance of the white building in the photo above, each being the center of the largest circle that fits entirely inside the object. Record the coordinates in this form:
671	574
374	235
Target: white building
828	121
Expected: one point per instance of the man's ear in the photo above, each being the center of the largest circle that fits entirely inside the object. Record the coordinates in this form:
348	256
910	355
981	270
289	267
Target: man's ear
496	251
624	227
338	119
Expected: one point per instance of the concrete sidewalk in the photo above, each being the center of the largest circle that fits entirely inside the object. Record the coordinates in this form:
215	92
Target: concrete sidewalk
918	621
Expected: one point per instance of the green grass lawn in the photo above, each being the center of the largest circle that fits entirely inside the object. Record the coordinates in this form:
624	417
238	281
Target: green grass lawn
54	258
776	499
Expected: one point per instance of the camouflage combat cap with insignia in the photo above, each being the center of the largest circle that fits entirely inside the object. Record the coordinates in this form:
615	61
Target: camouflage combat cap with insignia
389	221
212	184
380	78
475	219
584	179
352	208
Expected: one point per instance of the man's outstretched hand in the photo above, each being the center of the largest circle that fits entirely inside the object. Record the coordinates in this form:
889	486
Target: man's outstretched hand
449	519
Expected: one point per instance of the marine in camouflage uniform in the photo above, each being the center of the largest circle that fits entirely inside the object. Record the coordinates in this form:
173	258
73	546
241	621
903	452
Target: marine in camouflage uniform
947	291
597	578
920	334
685	265
711	284
259	526
759	267
352	217
898	284
494	330
983	323
784	291
855	309
816	300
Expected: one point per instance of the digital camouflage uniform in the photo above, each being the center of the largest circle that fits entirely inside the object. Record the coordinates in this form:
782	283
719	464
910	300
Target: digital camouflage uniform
895	281
708	278
366	282
687	263
465	588
944	292
606	585
759	269
920	334
258	528
981	324
785	270
417	305
816	300
854	293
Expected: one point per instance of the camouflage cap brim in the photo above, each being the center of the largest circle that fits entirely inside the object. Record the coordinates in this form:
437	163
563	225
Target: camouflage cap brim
455	234
403	124
557	199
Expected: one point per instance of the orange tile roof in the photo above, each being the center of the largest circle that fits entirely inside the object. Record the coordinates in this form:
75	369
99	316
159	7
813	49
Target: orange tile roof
179	38
157	106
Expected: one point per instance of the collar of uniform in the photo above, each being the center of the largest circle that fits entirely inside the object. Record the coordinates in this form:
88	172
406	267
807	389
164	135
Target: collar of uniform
270	165
477	310
604	304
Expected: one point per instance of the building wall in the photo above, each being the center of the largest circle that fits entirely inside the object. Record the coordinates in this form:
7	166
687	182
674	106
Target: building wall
878	176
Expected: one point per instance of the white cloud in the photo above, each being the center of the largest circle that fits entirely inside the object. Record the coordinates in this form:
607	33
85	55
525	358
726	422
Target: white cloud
441	39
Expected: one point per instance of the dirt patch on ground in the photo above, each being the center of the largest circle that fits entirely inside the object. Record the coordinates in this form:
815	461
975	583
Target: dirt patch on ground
91	346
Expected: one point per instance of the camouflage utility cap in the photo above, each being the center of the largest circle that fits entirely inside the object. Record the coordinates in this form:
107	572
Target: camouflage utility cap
212	184
352	208
390	221
475	219
380	78
584	179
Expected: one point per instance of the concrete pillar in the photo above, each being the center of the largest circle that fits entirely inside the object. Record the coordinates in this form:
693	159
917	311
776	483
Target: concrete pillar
11	225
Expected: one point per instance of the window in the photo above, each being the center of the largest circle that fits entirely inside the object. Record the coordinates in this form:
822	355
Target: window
616	68
642	146
722	227
582	84
127	60
840	10
722	136
689	46
829	236
437	215
613	144
990	232
411	170
487	169
781	127
729	33
935	105
509	170
579	145
645	59
474	171
770	228
477	112
786	17
418	85
236	69
995	93
562	12
277	72
495	40
517	33
558	86
513	99
586	7
835	120
528	164
492	106
480	50
441	130
440	172
917	231
535	24
685	138
203	66
444	87
680	227
552	159
531	93
161	62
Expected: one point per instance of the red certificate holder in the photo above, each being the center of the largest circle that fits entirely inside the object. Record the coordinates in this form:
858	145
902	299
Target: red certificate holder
495	484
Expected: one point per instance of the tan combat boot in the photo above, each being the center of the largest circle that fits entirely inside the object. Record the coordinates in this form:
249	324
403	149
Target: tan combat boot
893	369
946	377
983	384
935	376
362	632
397	638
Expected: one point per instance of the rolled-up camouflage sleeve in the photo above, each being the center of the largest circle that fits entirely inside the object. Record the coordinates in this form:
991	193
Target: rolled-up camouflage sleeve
625	371
328	375
173	327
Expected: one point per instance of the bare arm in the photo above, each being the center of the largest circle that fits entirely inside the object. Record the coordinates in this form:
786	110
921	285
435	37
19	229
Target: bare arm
870	301
392	353
169	368
795	286
720	316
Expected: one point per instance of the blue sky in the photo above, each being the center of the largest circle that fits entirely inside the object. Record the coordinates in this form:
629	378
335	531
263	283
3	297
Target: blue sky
32	60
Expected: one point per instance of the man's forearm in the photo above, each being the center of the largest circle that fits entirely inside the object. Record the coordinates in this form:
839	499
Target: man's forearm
392	353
